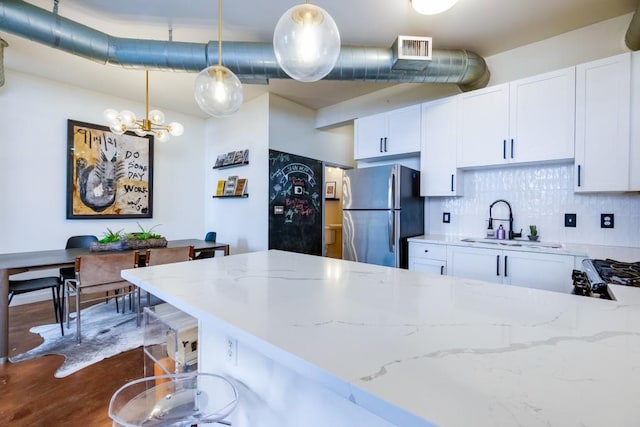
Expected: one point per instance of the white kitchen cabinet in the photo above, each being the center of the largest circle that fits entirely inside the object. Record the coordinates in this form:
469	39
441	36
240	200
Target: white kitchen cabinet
526	121
483	126
389	134
603	104
518	268
439	175
428	257
551	272
474	263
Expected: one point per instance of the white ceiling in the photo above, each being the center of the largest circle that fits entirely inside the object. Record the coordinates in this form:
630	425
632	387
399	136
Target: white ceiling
486	27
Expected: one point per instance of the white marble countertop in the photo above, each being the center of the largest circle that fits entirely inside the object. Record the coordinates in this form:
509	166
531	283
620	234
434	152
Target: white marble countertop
417	348
619	253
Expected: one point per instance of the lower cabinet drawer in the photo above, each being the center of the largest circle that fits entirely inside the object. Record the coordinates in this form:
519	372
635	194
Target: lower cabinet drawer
427	250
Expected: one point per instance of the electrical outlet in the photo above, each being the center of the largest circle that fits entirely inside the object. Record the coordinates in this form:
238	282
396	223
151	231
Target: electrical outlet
231	349
569	220
446	217
606	220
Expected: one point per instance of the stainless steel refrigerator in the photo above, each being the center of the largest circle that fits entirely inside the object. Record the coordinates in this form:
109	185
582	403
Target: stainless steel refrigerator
382	208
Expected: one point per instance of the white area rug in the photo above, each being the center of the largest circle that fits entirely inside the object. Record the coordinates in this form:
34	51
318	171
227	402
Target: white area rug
105	333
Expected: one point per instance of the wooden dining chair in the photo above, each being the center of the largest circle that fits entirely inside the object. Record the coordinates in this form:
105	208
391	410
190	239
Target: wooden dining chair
157	256
99	273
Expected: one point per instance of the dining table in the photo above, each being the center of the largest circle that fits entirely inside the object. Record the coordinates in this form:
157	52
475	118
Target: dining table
20	262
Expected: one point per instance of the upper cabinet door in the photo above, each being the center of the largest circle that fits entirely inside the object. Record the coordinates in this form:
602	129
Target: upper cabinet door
404	131
439	175
603	104
525	121
483	126
542	117
370	132
389	134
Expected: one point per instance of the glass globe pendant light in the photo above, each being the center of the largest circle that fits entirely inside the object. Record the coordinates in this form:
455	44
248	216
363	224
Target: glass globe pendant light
218	91
432	7
306	42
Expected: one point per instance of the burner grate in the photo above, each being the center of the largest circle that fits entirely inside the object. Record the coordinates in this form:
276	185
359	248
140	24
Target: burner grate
618	272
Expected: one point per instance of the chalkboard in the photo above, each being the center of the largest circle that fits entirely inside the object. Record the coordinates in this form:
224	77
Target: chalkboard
295	203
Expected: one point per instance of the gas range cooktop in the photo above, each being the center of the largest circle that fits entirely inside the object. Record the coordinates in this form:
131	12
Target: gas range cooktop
617	272
600	272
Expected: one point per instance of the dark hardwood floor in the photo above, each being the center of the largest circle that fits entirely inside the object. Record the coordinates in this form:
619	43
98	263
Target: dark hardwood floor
31	396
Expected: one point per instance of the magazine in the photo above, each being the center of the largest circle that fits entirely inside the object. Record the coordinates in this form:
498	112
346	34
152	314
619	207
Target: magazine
239	157
229	159
241	186
230	186
220	160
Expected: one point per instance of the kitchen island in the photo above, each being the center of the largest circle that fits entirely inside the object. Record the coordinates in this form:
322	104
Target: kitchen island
319	341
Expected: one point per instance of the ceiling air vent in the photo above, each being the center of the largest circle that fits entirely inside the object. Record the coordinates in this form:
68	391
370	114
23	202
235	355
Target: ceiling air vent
411	53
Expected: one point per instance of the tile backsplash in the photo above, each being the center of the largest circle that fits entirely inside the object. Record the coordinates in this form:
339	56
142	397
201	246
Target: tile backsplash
538	195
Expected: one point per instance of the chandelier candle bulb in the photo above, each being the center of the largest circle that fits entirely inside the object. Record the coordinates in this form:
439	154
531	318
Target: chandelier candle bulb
152	124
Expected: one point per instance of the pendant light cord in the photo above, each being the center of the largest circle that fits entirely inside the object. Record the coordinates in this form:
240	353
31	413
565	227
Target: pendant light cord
146	115
219	32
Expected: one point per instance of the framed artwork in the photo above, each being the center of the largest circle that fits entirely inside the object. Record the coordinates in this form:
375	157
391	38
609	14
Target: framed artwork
108	175
330	190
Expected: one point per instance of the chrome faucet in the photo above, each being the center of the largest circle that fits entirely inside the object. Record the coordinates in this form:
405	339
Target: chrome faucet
511	233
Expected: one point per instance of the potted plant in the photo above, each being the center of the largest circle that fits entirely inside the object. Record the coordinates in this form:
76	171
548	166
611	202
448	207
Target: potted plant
118	241
110	241
144	239
533	233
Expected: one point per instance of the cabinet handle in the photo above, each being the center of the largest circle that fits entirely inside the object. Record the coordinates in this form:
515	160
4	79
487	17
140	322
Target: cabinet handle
381	145
504	149
512	148
505	266
385	144
452	183
442	270
579	171
426	250
497	265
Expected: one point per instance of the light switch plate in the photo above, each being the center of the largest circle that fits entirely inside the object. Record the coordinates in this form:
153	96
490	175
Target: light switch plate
446	217
606	220
569	220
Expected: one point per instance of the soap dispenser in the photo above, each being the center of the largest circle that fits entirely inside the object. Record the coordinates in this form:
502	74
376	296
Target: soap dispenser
501	233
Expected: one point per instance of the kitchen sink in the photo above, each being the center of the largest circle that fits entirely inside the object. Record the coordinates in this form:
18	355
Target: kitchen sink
515	242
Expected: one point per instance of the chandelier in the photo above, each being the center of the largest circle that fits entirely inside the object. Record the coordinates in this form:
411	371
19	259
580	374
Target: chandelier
152	124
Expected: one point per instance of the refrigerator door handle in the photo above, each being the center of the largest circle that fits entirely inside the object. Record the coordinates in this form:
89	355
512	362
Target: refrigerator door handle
392	231
392	190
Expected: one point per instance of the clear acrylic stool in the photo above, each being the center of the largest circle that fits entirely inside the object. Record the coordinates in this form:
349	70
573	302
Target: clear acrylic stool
174	400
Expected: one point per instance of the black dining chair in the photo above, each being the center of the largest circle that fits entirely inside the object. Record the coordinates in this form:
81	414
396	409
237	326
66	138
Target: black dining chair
82	241
22	286
69	273
209	237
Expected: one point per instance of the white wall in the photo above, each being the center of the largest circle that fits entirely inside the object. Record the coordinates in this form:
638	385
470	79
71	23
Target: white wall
33	166
599	40
539	195
585	44
243	223
268	122
292	130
